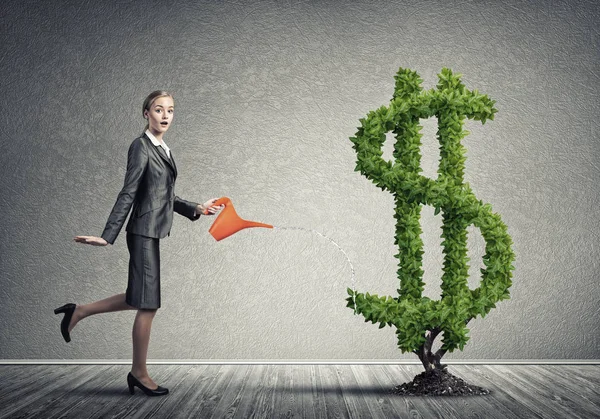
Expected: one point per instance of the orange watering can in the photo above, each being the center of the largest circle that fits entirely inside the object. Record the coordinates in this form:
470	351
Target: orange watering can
228	222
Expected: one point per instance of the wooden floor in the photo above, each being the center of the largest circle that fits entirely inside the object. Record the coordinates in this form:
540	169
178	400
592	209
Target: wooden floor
299	391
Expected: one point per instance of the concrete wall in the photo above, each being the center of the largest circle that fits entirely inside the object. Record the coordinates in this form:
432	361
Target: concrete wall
267	94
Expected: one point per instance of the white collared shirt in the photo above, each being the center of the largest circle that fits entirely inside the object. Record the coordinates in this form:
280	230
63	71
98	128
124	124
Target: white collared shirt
158	143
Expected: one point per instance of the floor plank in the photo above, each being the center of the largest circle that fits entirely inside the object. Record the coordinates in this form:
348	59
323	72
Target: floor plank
115	401
245	405
78	392
482	404
373	393
200	378
207	395
38	387
556	391
295	391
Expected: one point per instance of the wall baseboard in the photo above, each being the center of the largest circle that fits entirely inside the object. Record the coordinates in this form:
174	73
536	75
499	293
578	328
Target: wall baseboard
297	362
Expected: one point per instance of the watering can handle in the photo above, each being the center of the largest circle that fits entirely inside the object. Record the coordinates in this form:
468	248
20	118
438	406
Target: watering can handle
221	201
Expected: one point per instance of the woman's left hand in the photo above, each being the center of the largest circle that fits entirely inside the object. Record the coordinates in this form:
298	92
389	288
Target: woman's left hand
93	240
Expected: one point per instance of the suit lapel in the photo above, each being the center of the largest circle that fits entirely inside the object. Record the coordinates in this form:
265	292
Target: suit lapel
170	161
173	163
163	154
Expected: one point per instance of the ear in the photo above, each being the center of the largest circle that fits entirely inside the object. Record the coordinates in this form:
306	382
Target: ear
146	114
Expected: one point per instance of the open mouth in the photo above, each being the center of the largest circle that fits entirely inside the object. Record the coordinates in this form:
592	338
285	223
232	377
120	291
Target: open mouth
164	124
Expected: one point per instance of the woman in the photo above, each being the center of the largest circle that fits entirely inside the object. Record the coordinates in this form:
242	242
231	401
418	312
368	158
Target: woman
149	189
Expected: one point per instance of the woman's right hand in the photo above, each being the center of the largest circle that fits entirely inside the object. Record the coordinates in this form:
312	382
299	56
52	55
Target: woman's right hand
93	240
208	209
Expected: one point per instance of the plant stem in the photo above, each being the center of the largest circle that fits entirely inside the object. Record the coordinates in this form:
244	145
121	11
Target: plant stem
429	360
432	361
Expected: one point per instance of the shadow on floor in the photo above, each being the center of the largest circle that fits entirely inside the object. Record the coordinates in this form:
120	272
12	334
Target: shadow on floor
354	390
108	392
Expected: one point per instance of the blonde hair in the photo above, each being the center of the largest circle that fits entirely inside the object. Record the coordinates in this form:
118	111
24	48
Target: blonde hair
150	100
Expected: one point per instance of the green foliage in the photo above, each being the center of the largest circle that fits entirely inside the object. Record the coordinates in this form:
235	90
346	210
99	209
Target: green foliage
411	314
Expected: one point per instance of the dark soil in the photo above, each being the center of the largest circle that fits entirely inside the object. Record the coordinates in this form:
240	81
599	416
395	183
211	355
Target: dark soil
438	383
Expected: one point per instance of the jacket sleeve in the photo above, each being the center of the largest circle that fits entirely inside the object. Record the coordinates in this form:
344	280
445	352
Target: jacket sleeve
137	161
185	208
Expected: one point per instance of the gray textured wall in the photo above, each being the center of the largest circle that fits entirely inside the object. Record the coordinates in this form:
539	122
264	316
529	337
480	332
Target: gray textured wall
267	94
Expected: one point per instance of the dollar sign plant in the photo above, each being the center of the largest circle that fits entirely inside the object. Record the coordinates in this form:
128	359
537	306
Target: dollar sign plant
419	320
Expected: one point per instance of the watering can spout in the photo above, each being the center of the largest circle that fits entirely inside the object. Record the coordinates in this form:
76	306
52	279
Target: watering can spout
228	222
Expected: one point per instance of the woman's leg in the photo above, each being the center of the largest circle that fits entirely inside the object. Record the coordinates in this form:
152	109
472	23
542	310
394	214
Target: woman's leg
141	338
140	334
114	303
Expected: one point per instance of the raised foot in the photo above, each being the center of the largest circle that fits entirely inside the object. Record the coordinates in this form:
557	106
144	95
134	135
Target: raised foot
75	318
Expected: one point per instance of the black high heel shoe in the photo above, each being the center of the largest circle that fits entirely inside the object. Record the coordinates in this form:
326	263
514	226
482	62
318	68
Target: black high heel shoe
132	381
68	309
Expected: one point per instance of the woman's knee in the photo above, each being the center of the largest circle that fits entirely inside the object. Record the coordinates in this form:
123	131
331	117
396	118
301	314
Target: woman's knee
148	312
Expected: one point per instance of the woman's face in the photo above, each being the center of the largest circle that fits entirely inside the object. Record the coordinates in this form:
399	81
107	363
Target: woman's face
160	115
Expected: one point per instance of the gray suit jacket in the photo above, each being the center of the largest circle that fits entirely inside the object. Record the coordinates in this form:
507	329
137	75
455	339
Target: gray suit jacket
149	187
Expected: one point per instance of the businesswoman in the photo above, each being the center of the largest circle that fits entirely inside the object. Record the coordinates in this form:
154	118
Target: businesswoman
148	191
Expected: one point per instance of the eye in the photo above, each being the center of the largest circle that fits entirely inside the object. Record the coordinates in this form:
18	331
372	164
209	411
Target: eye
171	111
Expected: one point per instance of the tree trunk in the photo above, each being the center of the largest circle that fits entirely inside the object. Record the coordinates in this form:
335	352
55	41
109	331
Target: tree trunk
431	361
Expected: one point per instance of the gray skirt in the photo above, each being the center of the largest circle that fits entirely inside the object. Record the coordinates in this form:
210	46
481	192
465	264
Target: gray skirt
143	283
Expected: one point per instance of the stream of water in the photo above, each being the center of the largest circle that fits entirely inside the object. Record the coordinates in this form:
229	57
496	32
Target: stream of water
353	279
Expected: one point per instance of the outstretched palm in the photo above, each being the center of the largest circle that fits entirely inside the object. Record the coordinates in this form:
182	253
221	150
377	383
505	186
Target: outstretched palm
93	240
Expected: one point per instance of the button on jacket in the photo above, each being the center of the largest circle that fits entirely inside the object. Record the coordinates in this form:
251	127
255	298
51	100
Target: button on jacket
150	188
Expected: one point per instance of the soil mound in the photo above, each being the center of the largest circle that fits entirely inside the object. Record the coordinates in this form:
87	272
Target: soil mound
438	383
